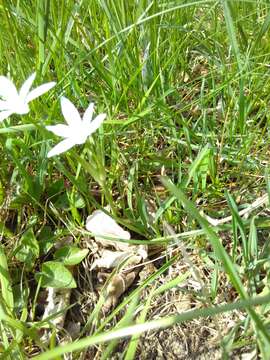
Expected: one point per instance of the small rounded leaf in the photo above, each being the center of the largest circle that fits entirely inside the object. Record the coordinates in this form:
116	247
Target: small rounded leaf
70	255
55	274
28	249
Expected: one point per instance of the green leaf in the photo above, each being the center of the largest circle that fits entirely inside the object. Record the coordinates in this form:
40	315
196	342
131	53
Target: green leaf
28	249
134	341
70	255
253	241
238	222
4	231
2	193
55	189
158	324
5	282
220	252
46	240
231	32
76	200
21	294
93	170
55	274
62	202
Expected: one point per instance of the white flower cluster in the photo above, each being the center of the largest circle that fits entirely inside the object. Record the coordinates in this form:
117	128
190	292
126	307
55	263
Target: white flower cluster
77	129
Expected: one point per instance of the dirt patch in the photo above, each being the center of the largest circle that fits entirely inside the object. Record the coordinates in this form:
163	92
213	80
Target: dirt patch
197	339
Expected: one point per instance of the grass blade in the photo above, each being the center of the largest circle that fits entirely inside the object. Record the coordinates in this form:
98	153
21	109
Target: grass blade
220	253
5	281
151	325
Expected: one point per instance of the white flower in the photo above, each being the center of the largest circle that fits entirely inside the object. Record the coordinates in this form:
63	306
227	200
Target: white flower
14	102
77	130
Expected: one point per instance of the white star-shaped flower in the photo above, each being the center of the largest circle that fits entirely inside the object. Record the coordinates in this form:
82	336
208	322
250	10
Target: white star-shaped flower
16	102
77	130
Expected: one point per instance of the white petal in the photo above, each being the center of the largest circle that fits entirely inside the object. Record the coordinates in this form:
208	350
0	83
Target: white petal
95	124
40	90
87	117
4	105
5	114
60	130
70	113
100	223
61	147
7	88
18	106
27	86
79	137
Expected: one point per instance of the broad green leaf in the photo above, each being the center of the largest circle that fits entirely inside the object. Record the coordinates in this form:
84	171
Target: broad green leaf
55	189
55	274
28	248
70	255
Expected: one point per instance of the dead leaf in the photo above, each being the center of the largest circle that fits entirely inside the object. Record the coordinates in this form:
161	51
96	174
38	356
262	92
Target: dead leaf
110	259
117	286
57	301
102	226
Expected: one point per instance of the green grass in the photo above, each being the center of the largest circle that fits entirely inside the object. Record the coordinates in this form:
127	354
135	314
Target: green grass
185	85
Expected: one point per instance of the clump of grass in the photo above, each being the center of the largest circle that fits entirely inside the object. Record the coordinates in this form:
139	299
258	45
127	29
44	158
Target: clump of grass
185	88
